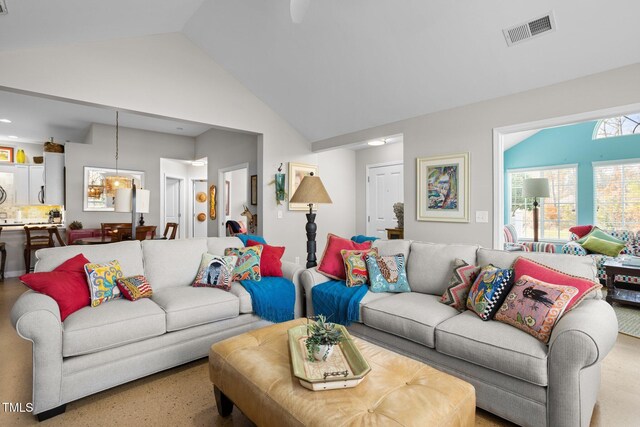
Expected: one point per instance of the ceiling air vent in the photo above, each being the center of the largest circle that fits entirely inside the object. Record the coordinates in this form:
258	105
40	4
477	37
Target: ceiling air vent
529	30
3	8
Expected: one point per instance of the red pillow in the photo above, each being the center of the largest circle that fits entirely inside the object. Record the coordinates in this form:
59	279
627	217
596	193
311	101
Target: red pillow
332	264
527	267
270	263
66	284
581	230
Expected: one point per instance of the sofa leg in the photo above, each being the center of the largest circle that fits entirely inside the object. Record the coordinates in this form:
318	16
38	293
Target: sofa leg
51	412
223	403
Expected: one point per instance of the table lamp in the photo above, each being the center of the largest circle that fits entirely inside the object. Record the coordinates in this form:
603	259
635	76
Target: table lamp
310	191
535	187
134	201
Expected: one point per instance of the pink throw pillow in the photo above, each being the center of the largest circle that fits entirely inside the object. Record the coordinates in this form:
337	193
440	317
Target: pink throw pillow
527	267
331	263
581	230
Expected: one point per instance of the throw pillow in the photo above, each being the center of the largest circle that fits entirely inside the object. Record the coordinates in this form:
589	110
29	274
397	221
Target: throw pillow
360	238
596	232
601	246
270	259
246	237
535	306
248	264
66	284
488	291
581	230
331	263
102	281
526	267
355	266
459	284
215	271
387	273
134	287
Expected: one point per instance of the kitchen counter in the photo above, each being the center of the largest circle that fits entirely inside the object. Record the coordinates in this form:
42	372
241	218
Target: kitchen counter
20	226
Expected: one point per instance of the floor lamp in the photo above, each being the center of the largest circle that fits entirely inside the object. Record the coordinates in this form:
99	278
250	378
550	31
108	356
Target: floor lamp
134	201
310	191
535	187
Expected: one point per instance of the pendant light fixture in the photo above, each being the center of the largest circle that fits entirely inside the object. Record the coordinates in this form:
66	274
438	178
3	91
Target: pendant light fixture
114	182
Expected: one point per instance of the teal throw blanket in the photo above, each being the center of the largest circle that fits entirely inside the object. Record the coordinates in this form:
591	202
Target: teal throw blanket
337	302
273	298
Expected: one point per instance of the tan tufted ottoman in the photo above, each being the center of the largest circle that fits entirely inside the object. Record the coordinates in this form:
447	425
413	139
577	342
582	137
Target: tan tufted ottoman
253	371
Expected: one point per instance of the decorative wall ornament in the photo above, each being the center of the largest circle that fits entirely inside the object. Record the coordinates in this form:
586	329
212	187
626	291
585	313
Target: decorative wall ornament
443	188
297	171
254	190
213	214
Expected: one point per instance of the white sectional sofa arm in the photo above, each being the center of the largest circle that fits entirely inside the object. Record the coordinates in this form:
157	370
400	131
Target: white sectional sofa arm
310	278
580	340
292	271
36	317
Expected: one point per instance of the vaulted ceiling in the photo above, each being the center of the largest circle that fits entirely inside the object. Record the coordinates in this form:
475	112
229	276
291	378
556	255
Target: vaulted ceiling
354	64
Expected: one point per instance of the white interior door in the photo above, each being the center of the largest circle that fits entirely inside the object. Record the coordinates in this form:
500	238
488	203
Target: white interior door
173	203
199	228
384	187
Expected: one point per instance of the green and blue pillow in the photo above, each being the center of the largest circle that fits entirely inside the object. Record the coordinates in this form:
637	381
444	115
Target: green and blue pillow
248	264
387	273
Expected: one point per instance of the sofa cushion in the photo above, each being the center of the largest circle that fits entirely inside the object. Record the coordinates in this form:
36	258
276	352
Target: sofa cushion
412	315
393	247
170	263
495	346
244	297
188	306
370	297
113	324
217	245
430	264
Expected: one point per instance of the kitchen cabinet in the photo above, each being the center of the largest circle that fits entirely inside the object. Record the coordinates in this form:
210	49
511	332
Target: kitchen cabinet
21	184
36	185
53	178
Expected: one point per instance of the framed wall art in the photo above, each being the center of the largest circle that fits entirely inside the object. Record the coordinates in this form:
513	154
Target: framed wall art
254	190
443	188
100	185
6	154
297	171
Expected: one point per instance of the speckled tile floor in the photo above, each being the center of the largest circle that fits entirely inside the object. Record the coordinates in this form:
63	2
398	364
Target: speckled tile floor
182	396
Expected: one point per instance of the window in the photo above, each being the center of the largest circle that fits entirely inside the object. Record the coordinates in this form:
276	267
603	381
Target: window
617	195
557	212
618	126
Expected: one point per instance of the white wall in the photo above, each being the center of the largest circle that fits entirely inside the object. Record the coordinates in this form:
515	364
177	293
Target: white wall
194	173
470	129
371	156
237	193
169	76
139	150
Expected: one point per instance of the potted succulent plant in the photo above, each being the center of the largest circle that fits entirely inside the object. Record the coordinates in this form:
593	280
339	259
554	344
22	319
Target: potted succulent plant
322	337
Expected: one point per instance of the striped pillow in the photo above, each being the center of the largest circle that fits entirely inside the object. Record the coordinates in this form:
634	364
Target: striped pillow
134	287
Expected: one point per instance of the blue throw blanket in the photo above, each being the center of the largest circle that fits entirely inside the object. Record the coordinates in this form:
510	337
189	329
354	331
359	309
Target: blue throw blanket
337	302
273	298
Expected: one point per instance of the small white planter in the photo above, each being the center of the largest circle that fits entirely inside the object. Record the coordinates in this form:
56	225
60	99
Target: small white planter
323	352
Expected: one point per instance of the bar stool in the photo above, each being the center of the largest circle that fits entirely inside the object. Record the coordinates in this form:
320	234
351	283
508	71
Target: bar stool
38	238
3	253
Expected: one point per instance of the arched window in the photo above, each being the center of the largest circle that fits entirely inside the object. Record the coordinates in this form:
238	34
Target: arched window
618	126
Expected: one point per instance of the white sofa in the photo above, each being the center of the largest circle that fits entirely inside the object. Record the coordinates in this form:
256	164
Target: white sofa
515	375
97	348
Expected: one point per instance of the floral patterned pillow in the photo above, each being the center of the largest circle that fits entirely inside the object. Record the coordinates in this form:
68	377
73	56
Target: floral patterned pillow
248	265
387	273
103	281
535	306
355	266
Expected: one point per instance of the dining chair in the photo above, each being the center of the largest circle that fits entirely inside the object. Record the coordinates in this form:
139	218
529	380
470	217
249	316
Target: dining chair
38	238
170	230
142	233
107	228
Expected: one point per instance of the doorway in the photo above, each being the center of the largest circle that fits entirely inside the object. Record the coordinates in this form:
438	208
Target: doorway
233	188
173	202
384	188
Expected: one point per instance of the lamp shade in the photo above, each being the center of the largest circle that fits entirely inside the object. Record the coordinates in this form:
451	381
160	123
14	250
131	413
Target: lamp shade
311	190
536	187
124	196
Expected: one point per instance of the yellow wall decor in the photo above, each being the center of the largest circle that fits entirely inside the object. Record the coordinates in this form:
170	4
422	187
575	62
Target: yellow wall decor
212	202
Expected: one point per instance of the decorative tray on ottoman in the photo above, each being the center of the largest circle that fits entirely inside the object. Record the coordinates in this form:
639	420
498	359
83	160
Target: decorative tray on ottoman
344	368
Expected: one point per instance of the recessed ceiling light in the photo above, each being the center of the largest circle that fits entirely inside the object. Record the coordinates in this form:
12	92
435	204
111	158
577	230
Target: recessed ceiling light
5	121
13	137
377	142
